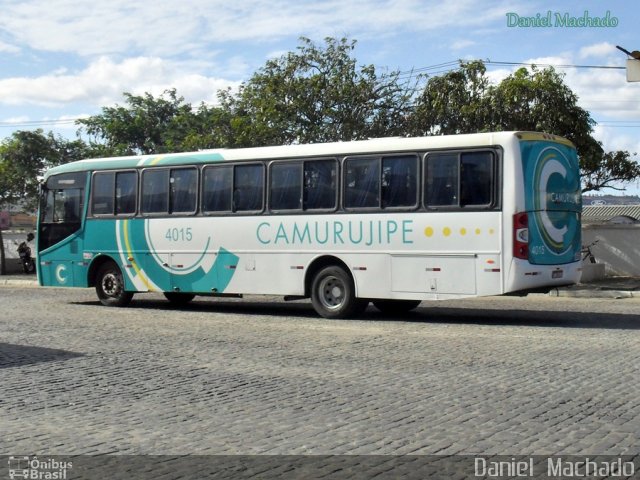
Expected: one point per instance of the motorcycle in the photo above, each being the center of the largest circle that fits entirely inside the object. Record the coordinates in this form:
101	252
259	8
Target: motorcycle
26	260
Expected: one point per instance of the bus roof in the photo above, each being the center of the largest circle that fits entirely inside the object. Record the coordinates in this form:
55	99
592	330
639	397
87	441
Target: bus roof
376	145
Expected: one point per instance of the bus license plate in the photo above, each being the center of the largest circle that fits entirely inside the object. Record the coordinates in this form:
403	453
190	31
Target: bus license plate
557	274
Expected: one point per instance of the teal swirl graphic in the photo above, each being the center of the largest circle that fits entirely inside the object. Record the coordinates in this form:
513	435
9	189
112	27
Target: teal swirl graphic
152	273
553	199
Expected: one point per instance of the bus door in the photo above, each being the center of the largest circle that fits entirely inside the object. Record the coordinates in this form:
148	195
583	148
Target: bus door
62	209
552	204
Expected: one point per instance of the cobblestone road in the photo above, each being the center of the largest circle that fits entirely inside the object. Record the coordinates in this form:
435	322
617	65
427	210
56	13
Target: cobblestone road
507	375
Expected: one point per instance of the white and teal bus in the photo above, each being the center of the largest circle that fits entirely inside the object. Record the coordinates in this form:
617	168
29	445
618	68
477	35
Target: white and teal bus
393	221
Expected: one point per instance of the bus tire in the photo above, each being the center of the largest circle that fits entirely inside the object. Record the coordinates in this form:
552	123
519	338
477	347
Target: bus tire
396	306
333	294
179	299
110	286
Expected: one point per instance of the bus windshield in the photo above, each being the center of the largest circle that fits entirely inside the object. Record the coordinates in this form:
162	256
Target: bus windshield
61	208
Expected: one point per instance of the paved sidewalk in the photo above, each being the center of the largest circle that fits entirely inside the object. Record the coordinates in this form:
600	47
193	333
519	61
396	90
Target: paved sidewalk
609	287
19	280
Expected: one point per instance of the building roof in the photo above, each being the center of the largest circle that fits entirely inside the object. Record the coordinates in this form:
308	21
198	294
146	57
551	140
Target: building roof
607	213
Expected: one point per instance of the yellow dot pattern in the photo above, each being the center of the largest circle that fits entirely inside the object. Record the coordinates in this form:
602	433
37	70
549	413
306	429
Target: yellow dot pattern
430	231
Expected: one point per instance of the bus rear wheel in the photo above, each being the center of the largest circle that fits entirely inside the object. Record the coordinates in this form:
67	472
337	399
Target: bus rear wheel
179	299
110	286
333	294
395	306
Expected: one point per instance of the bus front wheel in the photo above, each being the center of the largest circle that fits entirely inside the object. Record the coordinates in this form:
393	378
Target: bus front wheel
110	286
333	294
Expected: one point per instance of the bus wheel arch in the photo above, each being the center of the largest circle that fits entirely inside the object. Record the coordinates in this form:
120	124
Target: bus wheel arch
95	266
332	289
110	284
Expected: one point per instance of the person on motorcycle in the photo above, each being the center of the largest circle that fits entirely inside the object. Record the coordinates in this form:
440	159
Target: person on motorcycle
24	250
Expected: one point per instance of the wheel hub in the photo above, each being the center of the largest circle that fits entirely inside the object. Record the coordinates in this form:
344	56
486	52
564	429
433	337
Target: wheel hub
332	292
111	285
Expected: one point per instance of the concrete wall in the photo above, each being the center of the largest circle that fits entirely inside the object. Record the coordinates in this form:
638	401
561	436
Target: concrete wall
618	247
11	256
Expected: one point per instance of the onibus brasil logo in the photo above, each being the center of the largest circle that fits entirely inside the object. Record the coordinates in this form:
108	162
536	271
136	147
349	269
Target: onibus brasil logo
38	469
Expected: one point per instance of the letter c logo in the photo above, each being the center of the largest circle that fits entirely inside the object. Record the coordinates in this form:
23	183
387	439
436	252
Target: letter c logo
551	167
60	269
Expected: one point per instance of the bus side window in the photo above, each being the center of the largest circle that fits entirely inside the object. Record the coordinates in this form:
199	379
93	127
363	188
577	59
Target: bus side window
248	188
320	184
216	189
476	178
184	185
362	183
441	182
102	193
285	186
155	191
399	181
126	192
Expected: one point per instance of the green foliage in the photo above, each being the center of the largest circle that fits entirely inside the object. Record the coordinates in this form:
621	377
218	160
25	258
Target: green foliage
25	156
455	102
319	93
146	125
463	101
539	100
607	170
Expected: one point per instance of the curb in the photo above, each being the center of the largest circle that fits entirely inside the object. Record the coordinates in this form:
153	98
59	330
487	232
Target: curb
13	282
587	293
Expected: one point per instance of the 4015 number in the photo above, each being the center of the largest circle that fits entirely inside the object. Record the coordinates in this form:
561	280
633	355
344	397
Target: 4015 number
179	234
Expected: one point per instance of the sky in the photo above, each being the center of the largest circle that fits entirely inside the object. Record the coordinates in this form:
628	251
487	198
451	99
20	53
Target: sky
66	59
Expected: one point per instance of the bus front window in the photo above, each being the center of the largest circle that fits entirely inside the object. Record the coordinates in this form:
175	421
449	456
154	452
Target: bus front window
61	208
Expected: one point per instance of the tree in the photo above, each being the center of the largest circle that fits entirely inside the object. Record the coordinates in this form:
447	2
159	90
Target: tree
453	103
320	94
464	101
146	125
25	156
317	94
608	170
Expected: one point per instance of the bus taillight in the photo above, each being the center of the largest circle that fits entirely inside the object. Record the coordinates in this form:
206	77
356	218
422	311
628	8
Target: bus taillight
521	235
